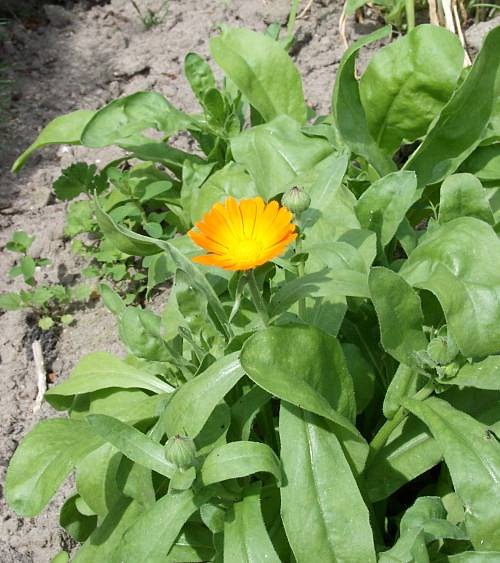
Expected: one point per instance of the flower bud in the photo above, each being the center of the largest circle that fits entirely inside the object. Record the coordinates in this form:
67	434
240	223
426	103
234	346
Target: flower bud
296	200
440	351
180	451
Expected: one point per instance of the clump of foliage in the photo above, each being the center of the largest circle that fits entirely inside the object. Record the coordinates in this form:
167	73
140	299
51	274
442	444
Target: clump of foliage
442	12
50	303
340	402
149	17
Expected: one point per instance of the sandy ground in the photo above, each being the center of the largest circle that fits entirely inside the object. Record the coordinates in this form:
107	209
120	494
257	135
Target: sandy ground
83	58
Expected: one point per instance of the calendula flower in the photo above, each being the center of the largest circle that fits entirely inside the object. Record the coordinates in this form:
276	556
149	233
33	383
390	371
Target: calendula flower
242	235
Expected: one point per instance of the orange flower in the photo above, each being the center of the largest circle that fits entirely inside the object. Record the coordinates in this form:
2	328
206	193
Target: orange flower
241	236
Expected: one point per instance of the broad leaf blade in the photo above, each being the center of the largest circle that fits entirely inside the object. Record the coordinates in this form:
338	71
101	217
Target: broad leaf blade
474	463
335	525
263	72
349	115
65	129
239	459
44	459
132	443
192	404
246	539
400	314
457	261
463	122
100	370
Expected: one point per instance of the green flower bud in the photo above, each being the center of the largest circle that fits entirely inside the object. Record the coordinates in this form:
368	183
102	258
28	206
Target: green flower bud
296	200
449	371
440	351
180	451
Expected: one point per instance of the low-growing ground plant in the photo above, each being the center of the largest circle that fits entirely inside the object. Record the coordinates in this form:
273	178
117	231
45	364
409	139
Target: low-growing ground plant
323	384
50	303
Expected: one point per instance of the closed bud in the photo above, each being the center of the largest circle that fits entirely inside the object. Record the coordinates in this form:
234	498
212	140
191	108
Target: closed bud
296	200
440	350
180	451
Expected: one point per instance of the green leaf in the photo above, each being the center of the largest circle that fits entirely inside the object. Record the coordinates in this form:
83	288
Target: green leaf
421	524
263	72
195	543
362	373
122	120
199	75
43	460
405	383
399	312
138	245
484	163
150	538
463	121
105	542
338	525
246	539
239	459
75	180
383	206
125	240
20	242
61	557
277	153
481	375
409	452
232	180
96	479
306	367
132	443
349	115
457	262
192	404
100	370
470	557
462	195
78	526
139	330
46	323
407	83
111	299
198	281
67	319
11	301
474	463
28	267
244	411
63	130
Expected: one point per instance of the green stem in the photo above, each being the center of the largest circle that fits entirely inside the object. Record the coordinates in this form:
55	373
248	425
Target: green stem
257	297
390	425
410	14
300	270
291	19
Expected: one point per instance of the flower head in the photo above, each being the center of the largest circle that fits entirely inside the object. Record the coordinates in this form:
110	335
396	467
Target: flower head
242	235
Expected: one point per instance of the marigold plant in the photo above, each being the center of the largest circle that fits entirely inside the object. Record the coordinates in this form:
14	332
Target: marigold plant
318	388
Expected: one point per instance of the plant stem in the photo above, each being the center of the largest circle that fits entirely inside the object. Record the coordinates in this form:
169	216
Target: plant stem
292	16
390	425
410	14
257	297
300	270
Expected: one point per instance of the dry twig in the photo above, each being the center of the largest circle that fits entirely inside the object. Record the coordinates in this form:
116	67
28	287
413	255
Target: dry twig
41	377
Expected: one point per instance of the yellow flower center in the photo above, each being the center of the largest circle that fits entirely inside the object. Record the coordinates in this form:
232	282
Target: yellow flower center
247	250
